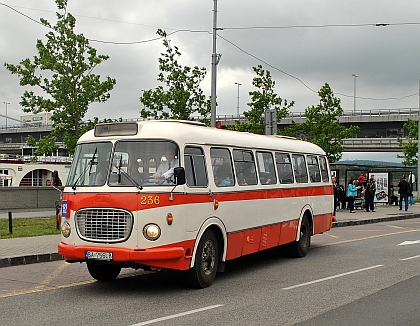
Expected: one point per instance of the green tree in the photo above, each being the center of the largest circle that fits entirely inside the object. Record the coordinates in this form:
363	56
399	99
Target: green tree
70	86
262	99
410	146
182	96
322	126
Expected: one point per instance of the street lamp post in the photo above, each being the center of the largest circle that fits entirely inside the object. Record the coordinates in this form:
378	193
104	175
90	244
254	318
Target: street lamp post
354	97
143	102
238	99
7	103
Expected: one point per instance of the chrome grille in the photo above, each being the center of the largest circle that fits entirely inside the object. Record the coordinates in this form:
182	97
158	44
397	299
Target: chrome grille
104	225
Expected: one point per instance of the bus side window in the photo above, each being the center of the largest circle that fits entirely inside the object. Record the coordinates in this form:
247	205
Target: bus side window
266	168
245	167
221	163
195	167
313	168
324	169
299	167
284	168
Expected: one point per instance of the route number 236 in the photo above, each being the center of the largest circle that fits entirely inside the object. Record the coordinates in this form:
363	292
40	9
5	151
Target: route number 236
150	200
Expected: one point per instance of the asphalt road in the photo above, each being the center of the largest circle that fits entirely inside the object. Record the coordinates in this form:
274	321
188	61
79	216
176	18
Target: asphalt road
359	275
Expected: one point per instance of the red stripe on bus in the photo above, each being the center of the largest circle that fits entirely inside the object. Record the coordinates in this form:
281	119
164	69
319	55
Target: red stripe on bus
142	201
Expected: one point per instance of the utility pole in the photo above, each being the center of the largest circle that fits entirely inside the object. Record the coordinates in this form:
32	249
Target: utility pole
418	151
6	111
238	99
215	58
354	96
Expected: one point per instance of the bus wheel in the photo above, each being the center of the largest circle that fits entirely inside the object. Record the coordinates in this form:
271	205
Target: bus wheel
206	261
103	273
299	248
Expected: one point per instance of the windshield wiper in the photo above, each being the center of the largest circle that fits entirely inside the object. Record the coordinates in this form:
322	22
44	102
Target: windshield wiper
125	174
89	165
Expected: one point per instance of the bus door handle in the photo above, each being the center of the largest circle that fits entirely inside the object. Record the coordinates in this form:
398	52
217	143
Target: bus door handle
210	194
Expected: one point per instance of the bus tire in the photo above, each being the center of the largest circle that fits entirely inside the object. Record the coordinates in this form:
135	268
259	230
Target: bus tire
299	248
206	262
102	272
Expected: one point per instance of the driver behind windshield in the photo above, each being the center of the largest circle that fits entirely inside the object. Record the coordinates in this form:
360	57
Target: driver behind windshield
165	171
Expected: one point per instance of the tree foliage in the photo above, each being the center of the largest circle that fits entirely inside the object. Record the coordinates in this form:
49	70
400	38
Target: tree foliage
262	99
67	60
180	96
322	126
410	146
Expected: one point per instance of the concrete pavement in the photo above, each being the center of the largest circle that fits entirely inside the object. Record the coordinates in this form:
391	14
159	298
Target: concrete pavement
18	251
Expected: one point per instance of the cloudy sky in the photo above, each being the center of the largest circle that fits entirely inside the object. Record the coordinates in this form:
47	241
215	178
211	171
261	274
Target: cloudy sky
304	44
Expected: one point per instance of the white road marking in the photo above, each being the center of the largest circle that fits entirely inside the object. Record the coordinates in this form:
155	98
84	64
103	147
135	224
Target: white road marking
152	321
408	258
331	277
409	242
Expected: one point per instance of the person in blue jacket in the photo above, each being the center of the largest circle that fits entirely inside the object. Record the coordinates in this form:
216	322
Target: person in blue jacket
352	193
223	176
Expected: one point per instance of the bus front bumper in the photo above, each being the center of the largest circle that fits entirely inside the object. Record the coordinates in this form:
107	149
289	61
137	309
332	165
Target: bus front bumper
173	257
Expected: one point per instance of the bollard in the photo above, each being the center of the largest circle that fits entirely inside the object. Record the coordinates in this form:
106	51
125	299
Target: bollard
57	212
10	223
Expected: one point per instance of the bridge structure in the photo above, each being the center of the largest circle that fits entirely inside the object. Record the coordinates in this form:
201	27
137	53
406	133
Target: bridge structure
379	130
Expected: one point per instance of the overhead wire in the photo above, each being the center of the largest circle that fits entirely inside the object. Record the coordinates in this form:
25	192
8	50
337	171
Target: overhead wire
235	45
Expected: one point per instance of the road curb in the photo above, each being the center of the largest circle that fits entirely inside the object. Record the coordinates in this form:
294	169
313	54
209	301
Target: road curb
375	220
43	258
31	259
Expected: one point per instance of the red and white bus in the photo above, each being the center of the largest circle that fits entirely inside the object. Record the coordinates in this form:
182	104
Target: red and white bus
226	195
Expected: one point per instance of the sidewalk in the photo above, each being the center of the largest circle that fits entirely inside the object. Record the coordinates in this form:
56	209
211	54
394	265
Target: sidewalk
22	213
18	251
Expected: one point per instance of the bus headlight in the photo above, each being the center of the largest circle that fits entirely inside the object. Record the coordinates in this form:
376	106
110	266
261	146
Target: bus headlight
151	232
66	229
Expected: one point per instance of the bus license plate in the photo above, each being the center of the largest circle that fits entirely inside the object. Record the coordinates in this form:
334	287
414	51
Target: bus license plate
98	255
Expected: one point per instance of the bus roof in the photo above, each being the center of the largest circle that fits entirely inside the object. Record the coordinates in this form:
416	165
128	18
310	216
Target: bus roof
190	132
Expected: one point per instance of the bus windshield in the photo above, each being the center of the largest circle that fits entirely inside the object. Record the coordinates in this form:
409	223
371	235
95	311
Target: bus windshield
90	165
131	163
146	163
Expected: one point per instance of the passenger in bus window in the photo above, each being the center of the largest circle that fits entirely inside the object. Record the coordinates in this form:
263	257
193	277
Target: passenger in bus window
165	170
133	172
223	176
101	172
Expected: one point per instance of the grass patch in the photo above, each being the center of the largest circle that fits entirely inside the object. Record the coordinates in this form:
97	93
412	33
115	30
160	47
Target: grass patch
28	227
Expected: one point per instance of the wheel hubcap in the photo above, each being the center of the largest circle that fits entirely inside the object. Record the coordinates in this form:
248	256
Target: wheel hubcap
303	235
208	257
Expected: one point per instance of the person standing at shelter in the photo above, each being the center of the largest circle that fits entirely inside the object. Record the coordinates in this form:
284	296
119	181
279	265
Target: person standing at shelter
411	182
372	182
361	179
393	198
336	194
403	191
343	197
352	193
369	197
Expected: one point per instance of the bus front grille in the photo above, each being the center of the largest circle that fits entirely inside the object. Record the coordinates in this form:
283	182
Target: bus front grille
104	225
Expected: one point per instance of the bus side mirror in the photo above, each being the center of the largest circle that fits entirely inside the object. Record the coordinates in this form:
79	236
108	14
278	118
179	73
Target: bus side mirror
55	178
179	174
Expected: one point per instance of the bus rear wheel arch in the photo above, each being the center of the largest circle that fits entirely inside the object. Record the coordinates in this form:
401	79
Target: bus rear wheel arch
299	248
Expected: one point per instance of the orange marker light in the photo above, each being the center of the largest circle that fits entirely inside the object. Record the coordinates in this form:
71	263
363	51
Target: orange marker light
215	204
169	218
